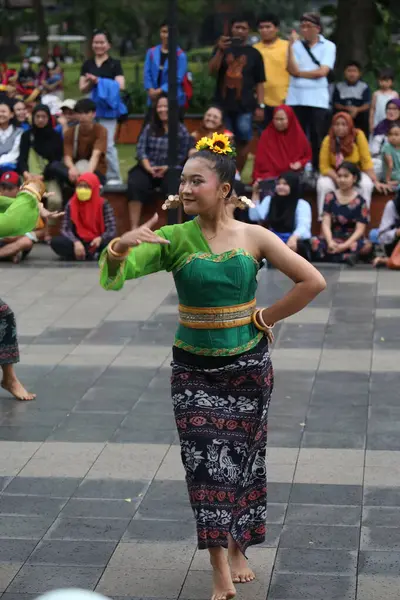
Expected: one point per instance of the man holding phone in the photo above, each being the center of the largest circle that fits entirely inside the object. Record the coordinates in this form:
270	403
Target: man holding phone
239	69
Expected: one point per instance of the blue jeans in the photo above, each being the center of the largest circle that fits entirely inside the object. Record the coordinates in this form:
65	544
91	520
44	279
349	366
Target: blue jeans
241	125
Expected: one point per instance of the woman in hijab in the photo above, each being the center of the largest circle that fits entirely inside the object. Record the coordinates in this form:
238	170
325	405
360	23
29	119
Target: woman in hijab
89	222
285	213
283	146
345	143
381	131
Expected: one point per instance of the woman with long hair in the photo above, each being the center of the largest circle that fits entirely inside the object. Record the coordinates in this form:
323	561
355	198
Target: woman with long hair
152	155
344	221
222	375
345	143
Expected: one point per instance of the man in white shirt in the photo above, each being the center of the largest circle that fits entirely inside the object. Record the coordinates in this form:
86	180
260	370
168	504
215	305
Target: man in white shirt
310	61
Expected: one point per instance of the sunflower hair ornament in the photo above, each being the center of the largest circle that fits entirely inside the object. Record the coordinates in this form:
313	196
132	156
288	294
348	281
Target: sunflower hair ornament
171	202
219	143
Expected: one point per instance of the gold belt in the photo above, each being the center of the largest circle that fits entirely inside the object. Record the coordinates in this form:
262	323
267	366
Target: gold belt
218	317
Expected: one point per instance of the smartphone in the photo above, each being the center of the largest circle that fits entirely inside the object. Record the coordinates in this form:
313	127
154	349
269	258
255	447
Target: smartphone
235	42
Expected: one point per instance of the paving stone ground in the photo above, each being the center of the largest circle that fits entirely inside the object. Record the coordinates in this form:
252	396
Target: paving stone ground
92	489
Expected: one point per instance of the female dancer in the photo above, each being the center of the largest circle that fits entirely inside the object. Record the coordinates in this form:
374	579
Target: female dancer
221	372
18	216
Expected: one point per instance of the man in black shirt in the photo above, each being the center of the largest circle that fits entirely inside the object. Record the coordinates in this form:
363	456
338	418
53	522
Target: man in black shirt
105	67
240	84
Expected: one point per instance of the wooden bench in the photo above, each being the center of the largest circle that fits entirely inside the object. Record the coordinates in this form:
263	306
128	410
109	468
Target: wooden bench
117	197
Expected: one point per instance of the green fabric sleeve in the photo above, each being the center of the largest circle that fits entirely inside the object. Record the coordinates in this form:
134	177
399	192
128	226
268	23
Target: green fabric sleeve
18	215
142	260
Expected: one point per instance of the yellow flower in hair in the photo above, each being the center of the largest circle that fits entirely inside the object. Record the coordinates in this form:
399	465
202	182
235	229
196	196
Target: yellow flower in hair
204	144
220	144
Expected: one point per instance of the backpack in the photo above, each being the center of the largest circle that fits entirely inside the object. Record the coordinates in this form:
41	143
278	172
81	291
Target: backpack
187	82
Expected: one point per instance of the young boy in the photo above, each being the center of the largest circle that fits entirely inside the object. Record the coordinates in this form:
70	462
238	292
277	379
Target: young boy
353	95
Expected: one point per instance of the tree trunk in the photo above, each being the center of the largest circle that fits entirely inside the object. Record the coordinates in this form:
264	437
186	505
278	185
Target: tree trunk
355	23
41	27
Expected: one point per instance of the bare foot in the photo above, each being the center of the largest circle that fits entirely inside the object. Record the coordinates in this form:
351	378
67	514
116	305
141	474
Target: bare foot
223	588
241	572
15	387
16	259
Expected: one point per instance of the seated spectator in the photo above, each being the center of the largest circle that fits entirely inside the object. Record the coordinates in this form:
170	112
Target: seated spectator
380	134
388	234
381	97
16	248
52	82
344	222
152	155
10	138
27	86
68	117
353	95
21	115
391	156
345	143
89	222
85	145
283	146
41	145
213	121
285	213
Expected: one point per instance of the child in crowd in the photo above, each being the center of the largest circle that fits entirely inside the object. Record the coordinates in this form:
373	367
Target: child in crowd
381	97
388	234
344	221
391	156
285	213
353	95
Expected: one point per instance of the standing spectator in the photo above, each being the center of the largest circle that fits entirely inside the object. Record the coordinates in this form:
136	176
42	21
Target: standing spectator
353	95
106	73
381	97
10	138
240	85
156	71
345	143
152	155
85	145
89	222
310	62
275	53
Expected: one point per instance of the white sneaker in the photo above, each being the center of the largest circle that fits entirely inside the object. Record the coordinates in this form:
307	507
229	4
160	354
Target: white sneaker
114	182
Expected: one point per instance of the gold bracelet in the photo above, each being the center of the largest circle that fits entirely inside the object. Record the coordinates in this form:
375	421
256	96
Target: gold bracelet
255	322
263	323
113	253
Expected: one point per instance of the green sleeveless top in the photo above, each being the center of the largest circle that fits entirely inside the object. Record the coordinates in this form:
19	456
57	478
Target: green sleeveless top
18	215
202	279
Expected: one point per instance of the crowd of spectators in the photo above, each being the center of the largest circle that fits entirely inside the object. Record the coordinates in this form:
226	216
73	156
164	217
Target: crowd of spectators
342	138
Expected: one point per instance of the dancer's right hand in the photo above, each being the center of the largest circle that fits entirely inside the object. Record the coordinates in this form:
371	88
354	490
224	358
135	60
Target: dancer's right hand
141	234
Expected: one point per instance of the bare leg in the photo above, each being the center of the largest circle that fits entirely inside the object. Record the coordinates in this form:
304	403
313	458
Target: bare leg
241	572
223	588
135	212
242	152
12	384
13	248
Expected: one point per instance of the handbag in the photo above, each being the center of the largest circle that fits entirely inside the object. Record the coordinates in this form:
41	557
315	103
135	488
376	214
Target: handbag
394	260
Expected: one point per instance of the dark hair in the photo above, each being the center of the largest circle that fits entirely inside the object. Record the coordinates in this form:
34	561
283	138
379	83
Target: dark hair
163	24
217	107
104	32
84	106
353	63
156	125
269	18
224	166
240	19
7	102
393	126
351	168
386	73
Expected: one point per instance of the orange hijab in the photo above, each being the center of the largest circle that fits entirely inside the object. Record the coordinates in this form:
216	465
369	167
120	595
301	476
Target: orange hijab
344	145
88	216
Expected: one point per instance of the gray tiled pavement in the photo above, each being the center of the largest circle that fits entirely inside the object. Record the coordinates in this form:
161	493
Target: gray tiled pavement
92	489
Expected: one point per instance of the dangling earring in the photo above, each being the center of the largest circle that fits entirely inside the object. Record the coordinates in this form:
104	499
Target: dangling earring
171	202
241	202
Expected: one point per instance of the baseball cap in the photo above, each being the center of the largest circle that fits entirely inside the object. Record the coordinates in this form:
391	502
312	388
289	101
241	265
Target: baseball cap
69	103
10	177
